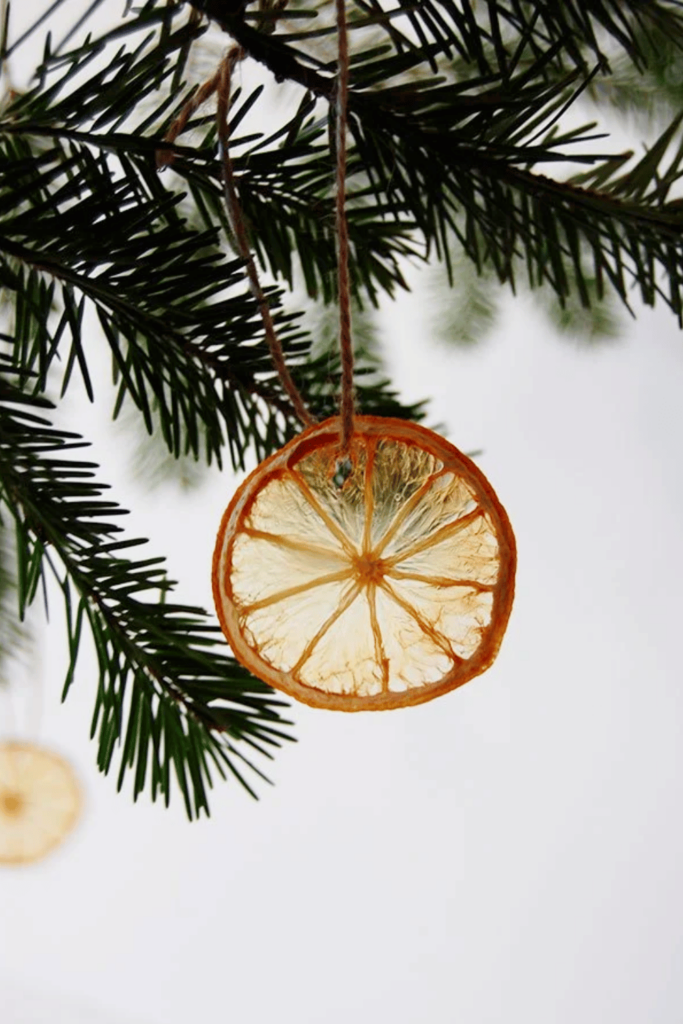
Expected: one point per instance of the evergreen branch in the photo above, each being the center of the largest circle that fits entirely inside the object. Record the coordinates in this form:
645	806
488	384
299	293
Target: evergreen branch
416	144
162	665
554	228
426	153
153	282
485	36
159	290
592	27
652	90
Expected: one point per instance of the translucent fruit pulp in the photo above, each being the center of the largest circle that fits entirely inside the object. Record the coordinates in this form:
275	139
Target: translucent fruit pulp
371	580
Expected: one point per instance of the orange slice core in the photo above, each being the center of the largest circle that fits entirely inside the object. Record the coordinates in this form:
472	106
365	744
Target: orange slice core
12	804
375	579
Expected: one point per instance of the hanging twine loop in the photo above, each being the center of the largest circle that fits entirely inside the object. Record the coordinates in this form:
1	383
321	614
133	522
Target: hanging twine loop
242	241
221	84
165	157
341	224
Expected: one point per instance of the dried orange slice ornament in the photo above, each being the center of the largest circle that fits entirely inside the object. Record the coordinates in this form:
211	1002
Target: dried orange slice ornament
40	802
375	579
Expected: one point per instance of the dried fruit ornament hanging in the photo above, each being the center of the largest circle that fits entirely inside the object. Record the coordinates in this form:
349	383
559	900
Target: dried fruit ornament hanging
40	802
368	564
40	796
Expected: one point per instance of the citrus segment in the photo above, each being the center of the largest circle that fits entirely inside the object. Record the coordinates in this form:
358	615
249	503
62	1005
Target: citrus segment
287	512
39	802
372	578
456	613
417	660
286	562
284	629
345	519
466	551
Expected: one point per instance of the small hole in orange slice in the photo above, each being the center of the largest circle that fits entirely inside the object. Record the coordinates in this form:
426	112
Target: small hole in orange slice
373	580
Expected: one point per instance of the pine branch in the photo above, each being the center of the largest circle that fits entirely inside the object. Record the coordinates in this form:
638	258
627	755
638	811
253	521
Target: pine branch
162	289
580	32
148	277
167	693
471	144
589	30
162	293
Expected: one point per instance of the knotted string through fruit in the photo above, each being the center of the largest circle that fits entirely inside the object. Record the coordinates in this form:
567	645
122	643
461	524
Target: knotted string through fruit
242	242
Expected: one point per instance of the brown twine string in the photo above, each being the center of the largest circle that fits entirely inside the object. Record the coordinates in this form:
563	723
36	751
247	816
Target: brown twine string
165	157
242	242
344	289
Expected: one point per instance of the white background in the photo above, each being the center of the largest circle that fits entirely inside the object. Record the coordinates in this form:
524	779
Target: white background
508	853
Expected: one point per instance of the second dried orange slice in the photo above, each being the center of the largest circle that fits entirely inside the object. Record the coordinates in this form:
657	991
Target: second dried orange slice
368	580
40	802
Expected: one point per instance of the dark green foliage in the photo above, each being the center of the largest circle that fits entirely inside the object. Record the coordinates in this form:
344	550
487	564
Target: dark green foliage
162	666
460	145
